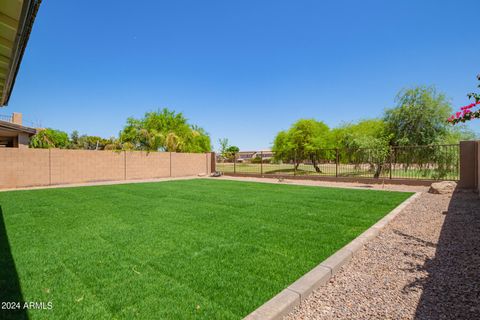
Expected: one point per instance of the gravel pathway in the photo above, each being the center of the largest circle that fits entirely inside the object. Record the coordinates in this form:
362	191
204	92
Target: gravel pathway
424	265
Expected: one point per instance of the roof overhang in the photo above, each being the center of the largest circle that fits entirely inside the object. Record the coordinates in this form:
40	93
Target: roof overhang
7	126
16	21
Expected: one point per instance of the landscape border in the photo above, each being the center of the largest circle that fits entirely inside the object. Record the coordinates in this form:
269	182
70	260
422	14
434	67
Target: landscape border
291	297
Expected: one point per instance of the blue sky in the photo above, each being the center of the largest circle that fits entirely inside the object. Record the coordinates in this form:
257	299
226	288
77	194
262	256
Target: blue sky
241	69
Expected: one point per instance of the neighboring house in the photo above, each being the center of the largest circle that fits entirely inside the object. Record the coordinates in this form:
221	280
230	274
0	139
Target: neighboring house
13	134
247	156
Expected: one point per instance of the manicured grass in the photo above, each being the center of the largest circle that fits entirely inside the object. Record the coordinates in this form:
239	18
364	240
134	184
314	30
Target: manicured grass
203	249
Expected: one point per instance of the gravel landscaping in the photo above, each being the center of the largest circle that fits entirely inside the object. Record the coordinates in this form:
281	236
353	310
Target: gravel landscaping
424	265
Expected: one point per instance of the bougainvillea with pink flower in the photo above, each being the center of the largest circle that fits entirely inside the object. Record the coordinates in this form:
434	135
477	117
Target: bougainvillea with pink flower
468	112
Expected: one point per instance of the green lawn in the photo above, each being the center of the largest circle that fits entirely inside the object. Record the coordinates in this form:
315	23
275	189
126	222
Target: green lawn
202	249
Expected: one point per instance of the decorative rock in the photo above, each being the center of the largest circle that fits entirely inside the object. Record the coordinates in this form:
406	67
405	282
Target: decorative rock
443	187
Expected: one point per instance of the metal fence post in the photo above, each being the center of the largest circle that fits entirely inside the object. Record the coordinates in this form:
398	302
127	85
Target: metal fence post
234	163
391	162
261	163
457	169
336	163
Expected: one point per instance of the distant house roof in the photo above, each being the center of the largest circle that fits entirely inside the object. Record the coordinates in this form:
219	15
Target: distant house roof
16	21
8	126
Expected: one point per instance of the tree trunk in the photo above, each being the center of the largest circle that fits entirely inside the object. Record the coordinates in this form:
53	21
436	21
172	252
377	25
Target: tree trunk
317	169
378	171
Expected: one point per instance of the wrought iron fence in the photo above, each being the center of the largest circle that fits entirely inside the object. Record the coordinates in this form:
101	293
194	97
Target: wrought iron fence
5	118
433	162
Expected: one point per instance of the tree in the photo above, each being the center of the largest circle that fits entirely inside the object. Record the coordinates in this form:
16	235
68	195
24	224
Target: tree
74	136
164	130
92	142
459	133
467	113
301	142
226	150
197	141
365	142
223	142
232	150
283	148
50	138
87	142
419	117
347	135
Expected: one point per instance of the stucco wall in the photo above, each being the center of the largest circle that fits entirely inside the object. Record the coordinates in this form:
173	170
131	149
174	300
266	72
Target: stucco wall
36	167
24	167
187	164
75	166
143	165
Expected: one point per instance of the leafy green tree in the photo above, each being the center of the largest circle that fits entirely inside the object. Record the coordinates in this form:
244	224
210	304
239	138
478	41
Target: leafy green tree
74	136
227	151
197	141
87	142
232	150
302	142
419	117
459	133
164	130
92	142
283	148
223	143
348	135
116	144
364	142
50	138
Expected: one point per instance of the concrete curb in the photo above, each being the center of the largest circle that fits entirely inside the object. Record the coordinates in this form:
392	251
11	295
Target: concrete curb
284	302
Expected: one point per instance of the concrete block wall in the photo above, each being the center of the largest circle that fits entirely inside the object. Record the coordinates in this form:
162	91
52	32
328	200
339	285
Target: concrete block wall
40	167
77	166
146	165
187	164
24	167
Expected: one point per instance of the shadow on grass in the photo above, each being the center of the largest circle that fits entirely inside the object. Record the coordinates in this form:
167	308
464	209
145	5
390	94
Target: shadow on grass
10	290
288	170
451	289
